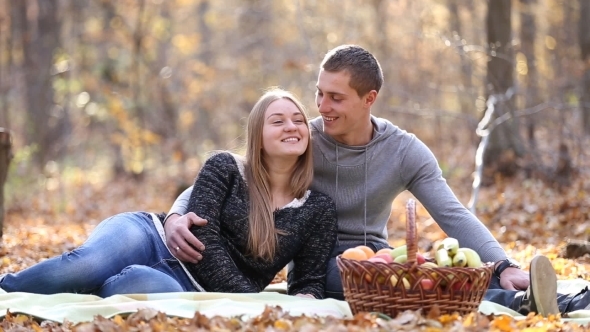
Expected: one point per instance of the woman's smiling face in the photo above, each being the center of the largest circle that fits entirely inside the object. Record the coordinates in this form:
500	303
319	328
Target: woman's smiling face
285	131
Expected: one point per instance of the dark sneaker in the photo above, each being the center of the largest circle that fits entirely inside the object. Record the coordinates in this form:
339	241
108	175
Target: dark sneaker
541	296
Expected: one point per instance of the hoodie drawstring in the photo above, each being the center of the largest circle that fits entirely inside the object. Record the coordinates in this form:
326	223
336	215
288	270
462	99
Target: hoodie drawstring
337	239
365	203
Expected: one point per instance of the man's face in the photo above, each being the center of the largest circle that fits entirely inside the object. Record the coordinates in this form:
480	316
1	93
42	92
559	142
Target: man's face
345	113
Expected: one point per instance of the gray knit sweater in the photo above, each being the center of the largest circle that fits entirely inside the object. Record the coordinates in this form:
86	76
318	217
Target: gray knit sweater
364	180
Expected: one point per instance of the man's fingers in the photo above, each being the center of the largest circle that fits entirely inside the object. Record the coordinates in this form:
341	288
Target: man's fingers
169	227
186	253
196	220
199	222
509	286
187	243
182	243
195	243
192	254
181	256
189	239
188	236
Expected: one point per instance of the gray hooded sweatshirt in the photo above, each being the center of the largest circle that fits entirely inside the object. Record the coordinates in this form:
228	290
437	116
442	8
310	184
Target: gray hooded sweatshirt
364	181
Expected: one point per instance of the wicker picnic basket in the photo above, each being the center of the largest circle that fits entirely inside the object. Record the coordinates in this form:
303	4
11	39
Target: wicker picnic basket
378	287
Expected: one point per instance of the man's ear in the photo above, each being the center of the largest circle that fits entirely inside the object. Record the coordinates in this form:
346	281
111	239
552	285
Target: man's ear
370	98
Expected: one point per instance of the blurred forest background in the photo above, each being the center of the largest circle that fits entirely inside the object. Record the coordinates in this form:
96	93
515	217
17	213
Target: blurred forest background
109	106
95	94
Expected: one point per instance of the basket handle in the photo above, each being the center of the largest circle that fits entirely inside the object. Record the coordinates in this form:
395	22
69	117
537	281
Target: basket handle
411	232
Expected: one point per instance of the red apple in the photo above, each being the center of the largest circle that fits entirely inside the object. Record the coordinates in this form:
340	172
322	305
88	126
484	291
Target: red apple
420	259
427	284
376	259
384	251
386	257
457	286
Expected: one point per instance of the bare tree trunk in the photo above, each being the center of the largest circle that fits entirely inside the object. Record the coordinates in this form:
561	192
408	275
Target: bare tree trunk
505	144
168	127
110	77
137	164
466	102
382	42
5	157
584	41
47	121
257	17
6	68
466	92
71	18
527	38
206	51
136	64
205	107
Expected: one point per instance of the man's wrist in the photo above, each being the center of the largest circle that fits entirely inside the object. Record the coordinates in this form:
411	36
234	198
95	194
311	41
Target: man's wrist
170	216
502	265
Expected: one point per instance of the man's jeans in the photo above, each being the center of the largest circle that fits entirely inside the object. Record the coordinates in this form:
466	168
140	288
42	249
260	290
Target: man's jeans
123	255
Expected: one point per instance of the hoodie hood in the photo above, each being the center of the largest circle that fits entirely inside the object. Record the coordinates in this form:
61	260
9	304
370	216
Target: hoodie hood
348	155
382	129
344	171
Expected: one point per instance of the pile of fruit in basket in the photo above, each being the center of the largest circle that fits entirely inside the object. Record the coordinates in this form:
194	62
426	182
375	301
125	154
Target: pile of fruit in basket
447	254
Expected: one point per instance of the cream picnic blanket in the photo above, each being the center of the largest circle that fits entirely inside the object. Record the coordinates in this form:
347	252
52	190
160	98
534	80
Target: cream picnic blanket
80	308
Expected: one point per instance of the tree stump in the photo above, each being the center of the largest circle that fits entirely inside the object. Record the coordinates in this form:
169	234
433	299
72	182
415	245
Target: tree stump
5	157
576	248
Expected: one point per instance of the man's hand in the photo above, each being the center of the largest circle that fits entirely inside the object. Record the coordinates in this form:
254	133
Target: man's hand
180	240
514	279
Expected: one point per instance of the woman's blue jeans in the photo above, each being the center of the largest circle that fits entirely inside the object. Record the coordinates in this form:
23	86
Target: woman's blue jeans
123	255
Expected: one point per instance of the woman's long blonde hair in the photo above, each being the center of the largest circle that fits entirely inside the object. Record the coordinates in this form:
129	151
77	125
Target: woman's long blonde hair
263	235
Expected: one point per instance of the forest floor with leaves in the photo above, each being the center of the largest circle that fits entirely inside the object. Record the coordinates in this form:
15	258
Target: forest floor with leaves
526	216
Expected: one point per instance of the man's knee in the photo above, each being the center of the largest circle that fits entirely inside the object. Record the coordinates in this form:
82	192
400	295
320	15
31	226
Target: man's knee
333	281
334	287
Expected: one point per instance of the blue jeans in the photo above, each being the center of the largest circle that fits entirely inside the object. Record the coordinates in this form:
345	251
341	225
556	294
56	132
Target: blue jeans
123	255
501	296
